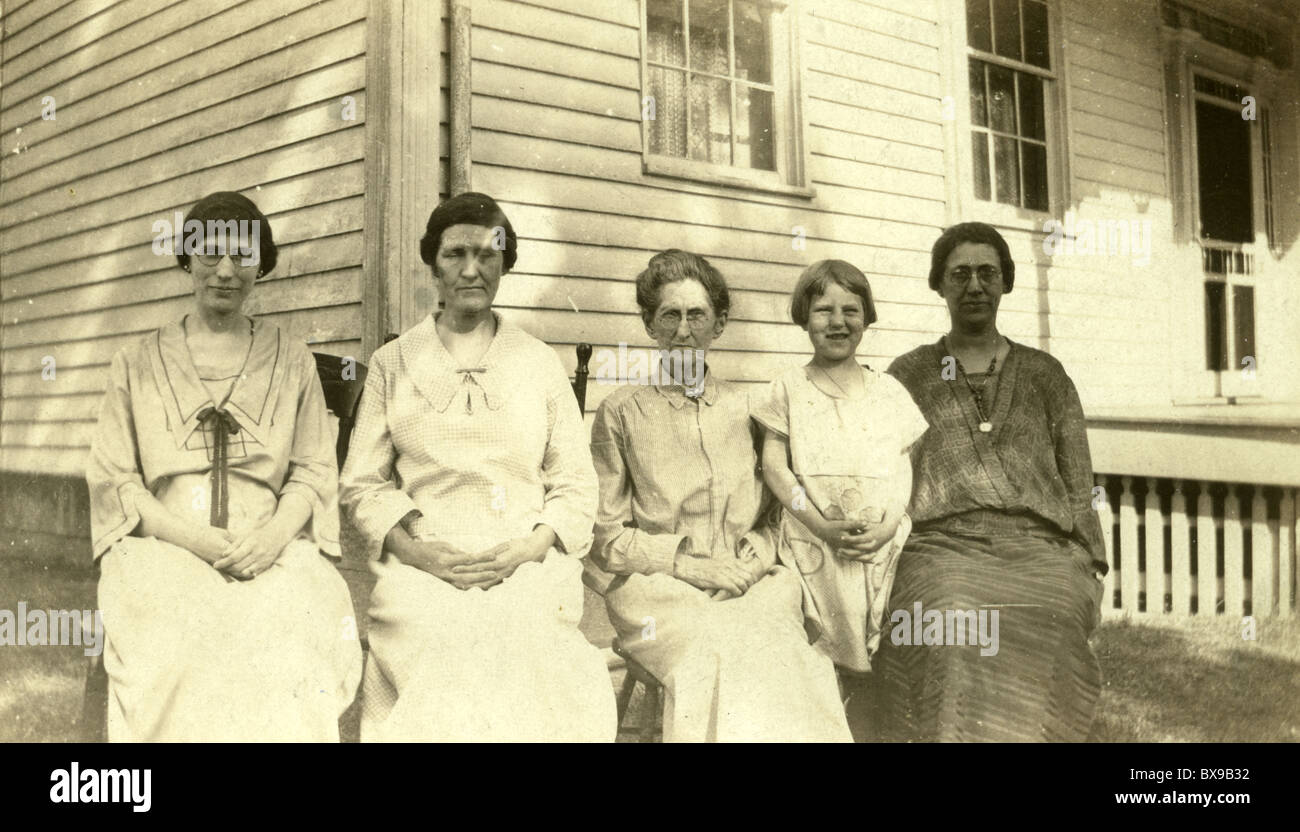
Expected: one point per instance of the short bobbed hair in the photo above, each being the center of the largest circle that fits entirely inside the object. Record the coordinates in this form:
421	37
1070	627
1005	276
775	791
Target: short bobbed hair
971	232
228	206
816	278
672	266
469	208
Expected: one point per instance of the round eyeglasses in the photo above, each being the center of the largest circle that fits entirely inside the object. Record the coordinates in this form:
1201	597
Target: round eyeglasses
960	277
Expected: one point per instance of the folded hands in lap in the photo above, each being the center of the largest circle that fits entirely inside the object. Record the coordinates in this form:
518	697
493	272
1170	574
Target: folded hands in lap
466	570
252	552
722	578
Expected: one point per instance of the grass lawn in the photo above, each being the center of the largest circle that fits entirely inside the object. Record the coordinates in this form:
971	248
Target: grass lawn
1165	679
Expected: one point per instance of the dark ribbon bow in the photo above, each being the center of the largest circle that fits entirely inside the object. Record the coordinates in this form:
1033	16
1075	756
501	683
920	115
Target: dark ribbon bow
223	426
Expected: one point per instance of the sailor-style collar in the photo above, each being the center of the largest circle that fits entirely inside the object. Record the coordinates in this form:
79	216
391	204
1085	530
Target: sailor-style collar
185	399
442	381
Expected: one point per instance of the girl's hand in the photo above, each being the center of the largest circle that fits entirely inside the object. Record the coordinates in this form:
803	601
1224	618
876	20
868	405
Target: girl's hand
840	533
871	541
252	553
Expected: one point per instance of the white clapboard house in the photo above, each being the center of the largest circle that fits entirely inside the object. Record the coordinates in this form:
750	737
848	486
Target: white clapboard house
1142	157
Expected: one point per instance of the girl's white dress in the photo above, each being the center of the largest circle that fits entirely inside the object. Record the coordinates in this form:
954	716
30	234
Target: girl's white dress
844	452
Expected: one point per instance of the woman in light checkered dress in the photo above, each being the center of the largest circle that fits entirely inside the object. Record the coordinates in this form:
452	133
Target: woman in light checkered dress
470	476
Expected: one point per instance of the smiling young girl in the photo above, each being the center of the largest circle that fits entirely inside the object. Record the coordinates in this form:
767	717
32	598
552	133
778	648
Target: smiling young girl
835	454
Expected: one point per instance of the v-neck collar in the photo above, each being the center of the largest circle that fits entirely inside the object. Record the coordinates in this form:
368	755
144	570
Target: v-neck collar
251	400
984	443
440	378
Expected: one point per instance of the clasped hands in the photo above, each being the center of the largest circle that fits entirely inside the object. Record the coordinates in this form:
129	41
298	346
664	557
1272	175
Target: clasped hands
722	578
466	570
243	556
860	539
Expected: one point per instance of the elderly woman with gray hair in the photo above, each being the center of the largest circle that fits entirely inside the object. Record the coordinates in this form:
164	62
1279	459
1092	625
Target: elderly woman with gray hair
684	540
470	476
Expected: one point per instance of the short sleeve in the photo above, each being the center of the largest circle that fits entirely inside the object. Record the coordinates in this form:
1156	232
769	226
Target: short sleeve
909	421
771	407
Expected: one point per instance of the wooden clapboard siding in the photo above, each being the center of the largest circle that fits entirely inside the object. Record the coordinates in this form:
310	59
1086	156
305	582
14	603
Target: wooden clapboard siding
157	104
557	139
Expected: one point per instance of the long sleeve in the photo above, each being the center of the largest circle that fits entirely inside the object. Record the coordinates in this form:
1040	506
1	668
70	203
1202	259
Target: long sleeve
1074	462
620	547
313	467
569	506
369	492
113	474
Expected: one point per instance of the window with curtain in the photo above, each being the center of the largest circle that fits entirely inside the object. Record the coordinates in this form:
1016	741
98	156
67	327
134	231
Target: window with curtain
1011	79
714	82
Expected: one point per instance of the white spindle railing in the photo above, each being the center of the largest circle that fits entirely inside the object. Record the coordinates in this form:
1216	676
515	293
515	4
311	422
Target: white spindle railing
1231	550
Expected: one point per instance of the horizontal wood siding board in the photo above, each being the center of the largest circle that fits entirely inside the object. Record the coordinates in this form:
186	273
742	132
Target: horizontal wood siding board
556	26
556	58
22	14
296	260
876	49
137	149
574	94
180	193
130	81
633	201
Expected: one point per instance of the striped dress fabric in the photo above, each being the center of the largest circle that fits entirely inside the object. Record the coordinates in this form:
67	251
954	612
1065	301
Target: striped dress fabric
1003	522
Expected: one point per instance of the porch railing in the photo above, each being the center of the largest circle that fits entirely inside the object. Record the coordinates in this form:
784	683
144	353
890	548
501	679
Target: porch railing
1198	547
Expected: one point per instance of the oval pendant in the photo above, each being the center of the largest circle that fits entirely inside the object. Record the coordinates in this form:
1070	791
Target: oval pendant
986	427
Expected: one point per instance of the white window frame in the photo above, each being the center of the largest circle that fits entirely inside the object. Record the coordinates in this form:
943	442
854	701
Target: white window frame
1188	54
789	148
963	204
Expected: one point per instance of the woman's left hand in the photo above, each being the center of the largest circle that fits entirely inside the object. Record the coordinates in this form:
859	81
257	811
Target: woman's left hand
502	560
252	553
756	571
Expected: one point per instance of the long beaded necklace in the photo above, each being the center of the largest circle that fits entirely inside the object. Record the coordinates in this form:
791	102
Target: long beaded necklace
986	426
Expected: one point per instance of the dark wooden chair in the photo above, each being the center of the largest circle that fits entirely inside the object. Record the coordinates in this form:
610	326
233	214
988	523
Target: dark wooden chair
651	727
342	380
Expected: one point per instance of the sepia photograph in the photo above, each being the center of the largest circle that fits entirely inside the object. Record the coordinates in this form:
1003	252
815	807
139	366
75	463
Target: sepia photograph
759	371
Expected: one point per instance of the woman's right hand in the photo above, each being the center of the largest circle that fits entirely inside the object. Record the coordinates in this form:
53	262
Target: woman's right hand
210	542
441	559
730	574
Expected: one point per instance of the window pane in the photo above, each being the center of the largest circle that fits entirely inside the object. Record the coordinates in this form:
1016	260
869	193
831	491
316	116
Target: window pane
1031	106
1006	169
1033	157
710	139
753	52
1006	28
709	36
980	154
754	126
978	33
1002	98
1036	50
1216	316
664	39
668	128
1243	323
1223	165
978	102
